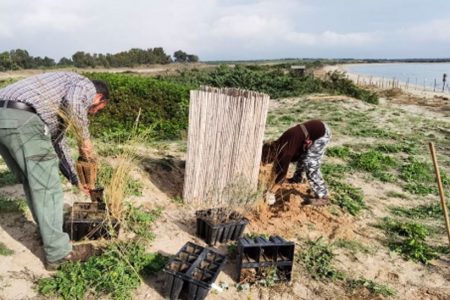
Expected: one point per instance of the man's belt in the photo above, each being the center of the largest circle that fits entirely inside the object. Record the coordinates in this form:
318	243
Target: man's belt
17	105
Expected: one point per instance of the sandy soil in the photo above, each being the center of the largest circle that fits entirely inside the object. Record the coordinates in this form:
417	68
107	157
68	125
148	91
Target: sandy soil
288	218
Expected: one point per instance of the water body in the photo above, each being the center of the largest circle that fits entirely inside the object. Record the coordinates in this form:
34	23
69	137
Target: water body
420	74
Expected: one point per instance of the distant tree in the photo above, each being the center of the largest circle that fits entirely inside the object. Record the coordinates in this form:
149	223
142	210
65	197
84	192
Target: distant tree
83	60
65	62
21	58
192	58
180	56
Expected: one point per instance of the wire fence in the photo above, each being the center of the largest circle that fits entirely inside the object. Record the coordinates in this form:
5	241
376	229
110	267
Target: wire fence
433	85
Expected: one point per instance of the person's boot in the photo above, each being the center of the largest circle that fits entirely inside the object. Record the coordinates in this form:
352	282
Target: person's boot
79	253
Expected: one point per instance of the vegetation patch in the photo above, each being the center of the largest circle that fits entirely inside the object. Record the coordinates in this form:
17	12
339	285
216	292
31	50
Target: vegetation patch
133	187
420	212
408	239
115	273
7	178
339	151
347	196
371	286
318	258
10	205
5	251
353	246
139	220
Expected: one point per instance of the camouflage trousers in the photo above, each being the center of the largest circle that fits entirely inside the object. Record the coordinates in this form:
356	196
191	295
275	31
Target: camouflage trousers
309	165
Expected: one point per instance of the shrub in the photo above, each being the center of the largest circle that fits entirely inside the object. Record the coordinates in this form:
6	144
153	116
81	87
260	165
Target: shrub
163	106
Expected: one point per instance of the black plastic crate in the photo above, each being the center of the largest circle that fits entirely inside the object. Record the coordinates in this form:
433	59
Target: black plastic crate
190	273
89	220
259	252
213	233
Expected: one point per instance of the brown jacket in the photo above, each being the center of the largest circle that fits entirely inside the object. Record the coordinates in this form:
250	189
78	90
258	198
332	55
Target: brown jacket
290	146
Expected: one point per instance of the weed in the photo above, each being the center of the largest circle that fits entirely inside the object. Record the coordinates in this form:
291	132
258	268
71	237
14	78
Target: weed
372	161
420	212
341	152
139	220
178	200
5	251
385	176
317	259
417	171
10	205
347	196
371	286
114	273
419	188
105	173
408	239
334	170
7	178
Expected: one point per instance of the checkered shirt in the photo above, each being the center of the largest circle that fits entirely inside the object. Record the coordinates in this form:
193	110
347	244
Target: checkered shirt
50	92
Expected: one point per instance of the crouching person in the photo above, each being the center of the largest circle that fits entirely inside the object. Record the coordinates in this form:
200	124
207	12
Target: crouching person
305	144
32	144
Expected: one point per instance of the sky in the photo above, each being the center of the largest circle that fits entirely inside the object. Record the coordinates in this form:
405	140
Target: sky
230	29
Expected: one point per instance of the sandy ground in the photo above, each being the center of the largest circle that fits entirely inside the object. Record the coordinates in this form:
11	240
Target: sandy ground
288	218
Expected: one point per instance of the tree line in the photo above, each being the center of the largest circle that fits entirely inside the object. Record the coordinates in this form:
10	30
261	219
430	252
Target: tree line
21	59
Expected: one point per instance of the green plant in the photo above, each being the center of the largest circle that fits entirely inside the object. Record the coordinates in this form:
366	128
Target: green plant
105	172
408	239
114	273
339	151
162	105
346	196
371	286
139	220
317	259
372	161
10	205
420	212
334	171
5	251
7	178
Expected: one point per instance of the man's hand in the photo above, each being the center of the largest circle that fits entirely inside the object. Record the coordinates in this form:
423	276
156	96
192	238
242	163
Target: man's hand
87	150
84	188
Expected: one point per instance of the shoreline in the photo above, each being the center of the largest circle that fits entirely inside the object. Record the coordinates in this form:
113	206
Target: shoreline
383	83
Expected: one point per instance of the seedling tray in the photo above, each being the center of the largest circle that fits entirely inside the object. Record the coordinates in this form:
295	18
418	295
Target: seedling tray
190	273
89	220
213	233
259	252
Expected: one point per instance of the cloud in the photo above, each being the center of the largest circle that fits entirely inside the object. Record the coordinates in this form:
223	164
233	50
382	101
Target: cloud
331	38
434	30
53	19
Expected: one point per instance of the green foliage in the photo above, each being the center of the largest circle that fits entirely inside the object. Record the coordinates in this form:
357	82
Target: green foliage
339	151
347	196
105	172
344	86
317	259
114	273
372	161
276	81
8	81
7	178
333	171
408	239
163	106
5	251
371	286
420	212
140	219
416	170
370	132
406	147
10	205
